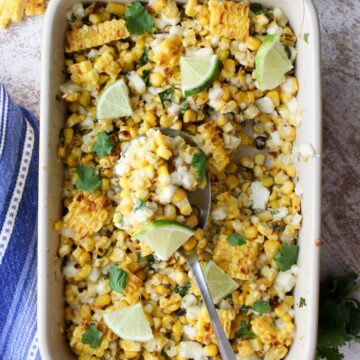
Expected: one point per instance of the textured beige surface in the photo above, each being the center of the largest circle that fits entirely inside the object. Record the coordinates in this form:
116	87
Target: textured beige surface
340	31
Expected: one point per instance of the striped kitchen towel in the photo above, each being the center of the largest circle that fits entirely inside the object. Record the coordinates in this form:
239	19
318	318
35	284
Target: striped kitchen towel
19	152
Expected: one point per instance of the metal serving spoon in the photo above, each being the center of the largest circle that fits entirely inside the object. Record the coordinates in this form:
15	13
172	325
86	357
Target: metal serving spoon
201	198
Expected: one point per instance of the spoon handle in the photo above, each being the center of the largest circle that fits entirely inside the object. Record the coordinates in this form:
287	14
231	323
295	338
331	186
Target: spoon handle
225	349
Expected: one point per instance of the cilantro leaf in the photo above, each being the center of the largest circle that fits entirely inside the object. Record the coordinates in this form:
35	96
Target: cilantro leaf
306	37
328	354
236	239
103	145
183	106
117	279
198	162
343	286
87	179
144	57
166	95
287	256
256	8
92	336
146	77
302	302
262	307
139	204
244	332
182	290
138	19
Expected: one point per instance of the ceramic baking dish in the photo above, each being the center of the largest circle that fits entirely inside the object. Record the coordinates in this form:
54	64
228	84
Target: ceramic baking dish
303	19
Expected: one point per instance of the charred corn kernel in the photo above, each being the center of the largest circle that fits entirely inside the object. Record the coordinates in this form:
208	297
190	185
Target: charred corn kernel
252	43
72	160
168	322
68	135
163	152
116	8
61	152
87	158
211	350
232	182
176	332
274	96
190	8
259	159
264	229
222	54
281	309
179	195
189	116
247	162
271	248
190	244
192	221
102	300
287	187
251	232
163	290
267	181
245	349
84	272
156	79
88	243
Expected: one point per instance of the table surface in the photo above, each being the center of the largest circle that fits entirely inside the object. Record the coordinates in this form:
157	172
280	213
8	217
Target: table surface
340	47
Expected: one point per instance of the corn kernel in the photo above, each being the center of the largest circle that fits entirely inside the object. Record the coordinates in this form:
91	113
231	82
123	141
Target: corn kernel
189	116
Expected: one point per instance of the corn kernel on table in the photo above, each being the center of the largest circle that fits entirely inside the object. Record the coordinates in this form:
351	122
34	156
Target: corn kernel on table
340	31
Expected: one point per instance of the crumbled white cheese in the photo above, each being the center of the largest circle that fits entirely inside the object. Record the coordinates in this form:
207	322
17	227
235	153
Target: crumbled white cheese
136	83
69	270
274	29
299	190
219	214
189	332
285	281
265	105
166	194
259	195
280	213
191	350
173	109
202	52
306	151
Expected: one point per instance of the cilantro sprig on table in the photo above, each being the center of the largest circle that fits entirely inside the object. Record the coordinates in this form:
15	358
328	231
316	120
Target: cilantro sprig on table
339	317
87	178
138	19
92	336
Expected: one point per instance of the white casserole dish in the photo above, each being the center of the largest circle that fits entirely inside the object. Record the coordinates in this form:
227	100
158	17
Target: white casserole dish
303	19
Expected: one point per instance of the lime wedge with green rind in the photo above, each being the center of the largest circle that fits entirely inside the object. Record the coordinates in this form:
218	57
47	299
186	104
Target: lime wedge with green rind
272	63
129	323
197	73
114	102
219	283
164	236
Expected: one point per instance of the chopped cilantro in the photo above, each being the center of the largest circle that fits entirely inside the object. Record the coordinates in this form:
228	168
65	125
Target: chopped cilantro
244	309
302	302
144	57
146	77
103	144
306	37
244	332
87	179
256	8
138	19
182	290
117	279
183	106
139	204
198	162
339	317
262	307
166	95
287	256
92	336
236	239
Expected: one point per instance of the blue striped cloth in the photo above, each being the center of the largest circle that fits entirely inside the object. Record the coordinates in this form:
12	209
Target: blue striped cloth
19	152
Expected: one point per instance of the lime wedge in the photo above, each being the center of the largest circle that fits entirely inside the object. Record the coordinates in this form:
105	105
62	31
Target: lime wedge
197	73
114	102
164	237
271	63
129	323
219	283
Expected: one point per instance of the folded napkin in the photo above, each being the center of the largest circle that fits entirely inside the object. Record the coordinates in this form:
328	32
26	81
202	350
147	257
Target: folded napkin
19	152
